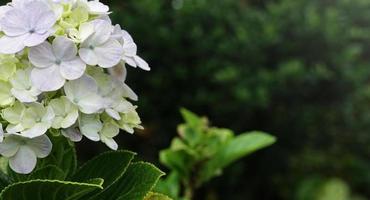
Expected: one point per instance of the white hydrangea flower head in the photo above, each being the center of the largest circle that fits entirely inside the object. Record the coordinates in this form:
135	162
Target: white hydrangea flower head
62	73
26	25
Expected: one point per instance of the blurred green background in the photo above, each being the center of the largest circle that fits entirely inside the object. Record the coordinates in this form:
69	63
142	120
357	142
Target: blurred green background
298	69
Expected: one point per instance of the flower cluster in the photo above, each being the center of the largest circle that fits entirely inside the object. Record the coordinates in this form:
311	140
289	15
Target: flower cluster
62	71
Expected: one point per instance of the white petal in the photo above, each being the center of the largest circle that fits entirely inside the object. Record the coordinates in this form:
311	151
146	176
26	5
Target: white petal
129	93
23	95
1	133
110	130
57	122
102	33
49	116
127	37
41	146
124	107
36	39
33	9
109	54
14	114
19	3
24	161
14	23
45	22
117	33
141	63
77	89
69	120
110	142
64	49
42	55
91	104
119	72
96	7
14	128
130	61
86	30
73	134
114	114
3	11
130	49
37	130
90	125
88	56
11	45
47	79
9	146
72	69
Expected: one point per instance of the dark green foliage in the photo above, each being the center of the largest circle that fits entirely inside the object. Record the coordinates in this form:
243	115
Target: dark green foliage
297	68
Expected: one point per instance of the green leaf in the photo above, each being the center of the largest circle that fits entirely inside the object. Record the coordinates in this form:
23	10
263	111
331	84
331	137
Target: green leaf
191	131
156	196
191	118
233	150
170	185
63	156
177	160
109	166
50	172
135	184
334	189
49	190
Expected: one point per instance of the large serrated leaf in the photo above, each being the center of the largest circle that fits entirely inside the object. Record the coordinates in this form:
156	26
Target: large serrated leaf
233	150
109	166
135	184
49	190
50	172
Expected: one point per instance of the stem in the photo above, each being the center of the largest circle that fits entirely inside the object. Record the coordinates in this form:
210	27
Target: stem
189	190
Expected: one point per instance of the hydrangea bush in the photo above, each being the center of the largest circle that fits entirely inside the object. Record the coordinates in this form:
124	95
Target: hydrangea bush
62	72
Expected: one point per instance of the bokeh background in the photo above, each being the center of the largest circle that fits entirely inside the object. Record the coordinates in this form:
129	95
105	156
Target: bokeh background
298	69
